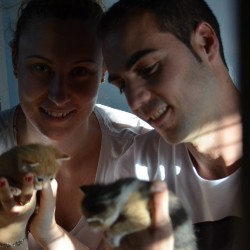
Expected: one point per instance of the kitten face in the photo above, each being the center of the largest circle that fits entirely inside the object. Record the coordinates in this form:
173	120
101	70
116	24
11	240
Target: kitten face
40	180
122	208
41	160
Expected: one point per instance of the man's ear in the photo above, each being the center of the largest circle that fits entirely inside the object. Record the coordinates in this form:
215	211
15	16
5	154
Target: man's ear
204	41
104	71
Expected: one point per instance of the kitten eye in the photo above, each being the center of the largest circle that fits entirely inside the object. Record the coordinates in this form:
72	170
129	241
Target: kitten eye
39	179
51	178
34	165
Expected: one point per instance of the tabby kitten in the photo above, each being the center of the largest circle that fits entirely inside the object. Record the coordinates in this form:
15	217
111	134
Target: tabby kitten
41	160
122	207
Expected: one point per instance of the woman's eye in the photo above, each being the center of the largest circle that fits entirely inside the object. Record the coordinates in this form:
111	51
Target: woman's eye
148	70
39	179
42	68
79	72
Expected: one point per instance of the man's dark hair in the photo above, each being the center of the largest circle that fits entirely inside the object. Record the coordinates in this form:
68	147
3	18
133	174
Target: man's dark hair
179	17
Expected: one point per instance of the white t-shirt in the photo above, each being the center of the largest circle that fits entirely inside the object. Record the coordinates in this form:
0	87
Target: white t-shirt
212	204
118	131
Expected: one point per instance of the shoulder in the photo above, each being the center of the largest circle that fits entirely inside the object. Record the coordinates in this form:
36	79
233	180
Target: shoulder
118	121
6	129
151	157
6	116
151	142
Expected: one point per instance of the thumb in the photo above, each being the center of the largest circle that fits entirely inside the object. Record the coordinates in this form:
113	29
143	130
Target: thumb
160	204
48	195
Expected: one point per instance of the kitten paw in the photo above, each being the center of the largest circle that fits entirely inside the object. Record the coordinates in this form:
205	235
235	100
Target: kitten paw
114	241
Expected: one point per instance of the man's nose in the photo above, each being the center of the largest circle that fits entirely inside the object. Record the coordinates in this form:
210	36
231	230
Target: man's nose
137	96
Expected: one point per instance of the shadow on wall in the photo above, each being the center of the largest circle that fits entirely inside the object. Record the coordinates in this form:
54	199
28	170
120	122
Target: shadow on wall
109	95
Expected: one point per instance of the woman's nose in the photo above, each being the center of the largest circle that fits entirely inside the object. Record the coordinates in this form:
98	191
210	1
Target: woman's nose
59	91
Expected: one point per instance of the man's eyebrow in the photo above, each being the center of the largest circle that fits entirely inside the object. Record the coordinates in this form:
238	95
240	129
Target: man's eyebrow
136	57
132	60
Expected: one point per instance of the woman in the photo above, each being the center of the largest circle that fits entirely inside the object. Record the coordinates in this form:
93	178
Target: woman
58	63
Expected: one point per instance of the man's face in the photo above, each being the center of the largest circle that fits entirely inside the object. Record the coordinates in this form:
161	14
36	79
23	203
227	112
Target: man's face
163	81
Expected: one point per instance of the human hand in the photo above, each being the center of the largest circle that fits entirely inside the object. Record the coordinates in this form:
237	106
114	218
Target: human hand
15	211
159	235
43	226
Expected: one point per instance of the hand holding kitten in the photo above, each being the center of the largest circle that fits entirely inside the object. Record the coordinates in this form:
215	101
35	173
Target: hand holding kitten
24	170
14	215
159	236
135	214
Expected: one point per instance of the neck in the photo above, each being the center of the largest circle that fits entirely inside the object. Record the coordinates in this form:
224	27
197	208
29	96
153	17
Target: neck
82	138
217	152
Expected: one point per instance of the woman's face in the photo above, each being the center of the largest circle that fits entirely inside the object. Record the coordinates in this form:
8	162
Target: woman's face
59	67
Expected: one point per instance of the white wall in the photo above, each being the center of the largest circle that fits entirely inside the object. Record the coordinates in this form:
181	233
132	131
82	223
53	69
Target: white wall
8	84
227	13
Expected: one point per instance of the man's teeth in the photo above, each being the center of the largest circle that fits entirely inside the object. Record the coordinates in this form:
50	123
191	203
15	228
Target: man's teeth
57	114
158	113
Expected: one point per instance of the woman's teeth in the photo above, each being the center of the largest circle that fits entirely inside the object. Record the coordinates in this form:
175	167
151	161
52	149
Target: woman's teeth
57	114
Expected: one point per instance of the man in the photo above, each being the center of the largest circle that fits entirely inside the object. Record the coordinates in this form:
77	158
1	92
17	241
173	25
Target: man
167	58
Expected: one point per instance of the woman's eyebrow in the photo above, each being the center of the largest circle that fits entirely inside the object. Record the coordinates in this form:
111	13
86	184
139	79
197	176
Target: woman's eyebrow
39	57
50	61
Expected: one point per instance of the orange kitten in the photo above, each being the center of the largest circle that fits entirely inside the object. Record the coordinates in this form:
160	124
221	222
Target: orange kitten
41	160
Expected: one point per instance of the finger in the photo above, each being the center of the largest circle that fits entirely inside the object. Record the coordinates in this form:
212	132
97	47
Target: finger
48	194
54	186
50	189
6	196
27	189
160	204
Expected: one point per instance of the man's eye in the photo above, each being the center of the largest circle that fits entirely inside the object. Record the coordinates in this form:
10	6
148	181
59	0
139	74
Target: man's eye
122	88
148	70
120	84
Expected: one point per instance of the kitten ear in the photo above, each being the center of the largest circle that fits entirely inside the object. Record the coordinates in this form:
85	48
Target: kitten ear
86	188
61	158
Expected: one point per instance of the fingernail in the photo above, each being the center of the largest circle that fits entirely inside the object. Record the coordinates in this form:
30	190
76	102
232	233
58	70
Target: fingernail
158	186
29	178
2	183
